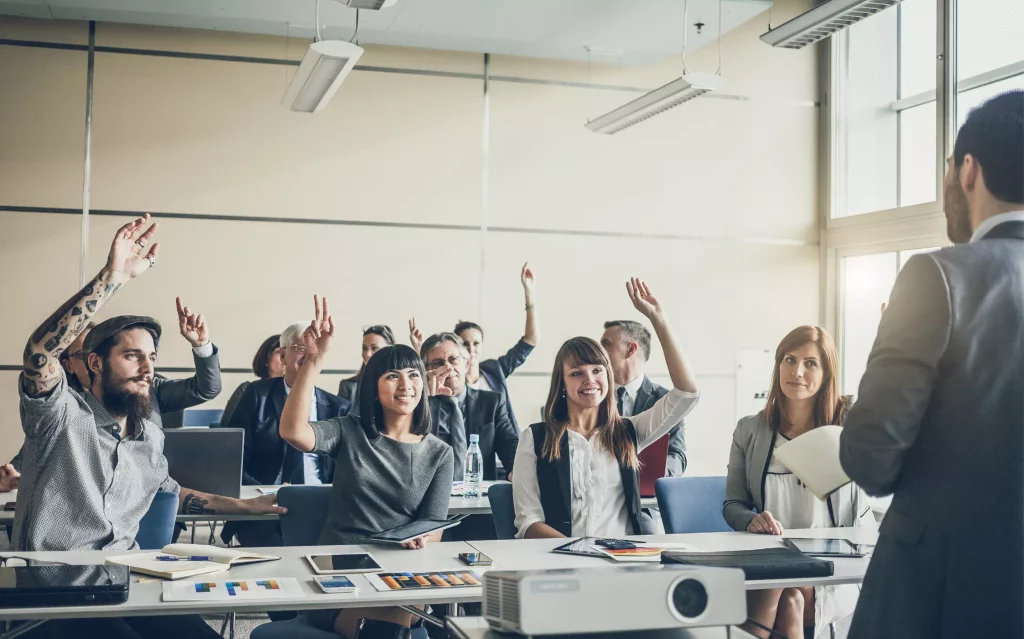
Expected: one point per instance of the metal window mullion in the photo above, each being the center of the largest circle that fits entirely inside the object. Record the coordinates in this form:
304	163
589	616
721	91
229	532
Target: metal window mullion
899	116
945	89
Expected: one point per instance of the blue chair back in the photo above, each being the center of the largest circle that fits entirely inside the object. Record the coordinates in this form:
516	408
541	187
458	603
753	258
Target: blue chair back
307	511
201	417
157	526
502	510
691	504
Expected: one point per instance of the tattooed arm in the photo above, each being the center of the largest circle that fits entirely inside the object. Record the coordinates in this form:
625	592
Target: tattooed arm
193	502
128	258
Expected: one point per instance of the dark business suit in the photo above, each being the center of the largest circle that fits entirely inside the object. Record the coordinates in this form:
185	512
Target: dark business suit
266	458
486	415
940	423
646	397
495	371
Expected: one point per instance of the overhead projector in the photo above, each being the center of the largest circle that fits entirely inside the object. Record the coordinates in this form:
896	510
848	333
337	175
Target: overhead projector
613	599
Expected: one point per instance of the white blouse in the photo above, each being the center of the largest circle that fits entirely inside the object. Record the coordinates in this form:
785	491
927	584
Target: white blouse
789	501
598	504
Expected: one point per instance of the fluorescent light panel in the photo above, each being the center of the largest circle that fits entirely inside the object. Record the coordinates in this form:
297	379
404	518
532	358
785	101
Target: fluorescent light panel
324	67
686	88
822	21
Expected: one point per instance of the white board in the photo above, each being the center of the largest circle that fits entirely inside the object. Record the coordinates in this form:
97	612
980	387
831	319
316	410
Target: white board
754	368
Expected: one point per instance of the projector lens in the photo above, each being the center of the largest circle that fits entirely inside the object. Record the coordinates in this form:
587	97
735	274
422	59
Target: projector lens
689	598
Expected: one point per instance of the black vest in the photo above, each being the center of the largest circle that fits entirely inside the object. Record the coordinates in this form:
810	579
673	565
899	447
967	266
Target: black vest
554	478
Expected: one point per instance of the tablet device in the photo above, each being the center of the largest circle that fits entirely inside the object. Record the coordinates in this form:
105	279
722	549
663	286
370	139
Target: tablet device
824	547
585	546
413	530
340	564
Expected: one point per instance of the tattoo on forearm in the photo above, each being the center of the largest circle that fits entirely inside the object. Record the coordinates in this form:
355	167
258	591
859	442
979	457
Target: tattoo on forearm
58	331
195	505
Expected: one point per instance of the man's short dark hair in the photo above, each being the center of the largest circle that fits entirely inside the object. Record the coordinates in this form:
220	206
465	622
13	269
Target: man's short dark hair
634	332
994	135
371	414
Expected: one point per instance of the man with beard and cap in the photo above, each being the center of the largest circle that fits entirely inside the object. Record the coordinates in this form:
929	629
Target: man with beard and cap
939	421
93	460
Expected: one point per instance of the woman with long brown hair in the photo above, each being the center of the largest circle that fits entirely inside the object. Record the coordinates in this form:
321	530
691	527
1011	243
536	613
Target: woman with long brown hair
762	496
577	472
375	338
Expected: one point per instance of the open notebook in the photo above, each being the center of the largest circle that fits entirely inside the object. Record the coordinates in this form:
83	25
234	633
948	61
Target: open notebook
178	561
814	458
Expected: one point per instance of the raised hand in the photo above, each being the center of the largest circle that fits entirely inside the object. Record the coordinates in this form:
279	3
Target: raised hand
642	298
128	253
317	338
415	335
192	326
436	379
526	276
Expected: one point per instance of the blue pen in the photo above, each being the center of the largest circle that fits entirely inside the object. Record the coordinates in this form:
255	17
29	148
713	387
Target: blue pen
170	558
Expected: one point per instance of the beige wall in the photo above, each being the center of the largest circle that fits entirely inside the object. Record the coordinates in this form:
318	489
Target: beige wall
210	138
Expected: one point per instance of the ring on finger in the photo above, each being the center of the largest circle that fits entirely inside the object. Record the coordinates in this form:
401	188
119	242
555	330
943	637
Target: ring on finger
152	262
140	243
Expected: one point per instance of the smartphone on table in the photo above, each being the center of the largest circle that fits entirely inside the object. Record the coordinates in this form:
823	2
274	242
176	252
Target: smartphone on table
474	559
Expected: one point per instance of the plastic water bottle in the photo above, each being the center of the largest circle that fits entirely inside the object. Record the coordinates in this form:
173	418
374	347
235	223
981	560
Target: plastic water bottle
474	467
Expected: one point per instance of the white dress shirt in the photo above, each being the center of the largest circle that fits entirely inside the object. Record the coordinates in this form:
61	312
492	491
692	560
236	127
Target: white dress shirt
995	220
203	351
598	503
310	461
629	399
481	384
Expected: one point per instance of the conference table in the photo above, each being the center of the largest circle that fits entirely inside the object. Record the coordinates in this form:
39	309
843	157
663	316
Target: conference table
457	506
146	593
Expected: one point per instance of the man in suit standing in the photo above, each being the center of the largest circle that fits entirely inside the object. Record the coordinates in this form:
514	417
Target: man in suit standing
269	460
939	422
628	344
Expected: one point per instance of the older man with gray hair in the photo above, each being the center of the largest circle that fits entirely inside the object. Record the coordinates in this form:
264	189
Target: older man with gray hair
268	459
458	411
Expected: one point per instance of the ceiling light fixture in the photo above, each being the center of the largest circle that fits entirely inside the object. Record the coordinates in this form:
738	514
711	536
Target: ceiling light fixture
671	95
324	67
822	21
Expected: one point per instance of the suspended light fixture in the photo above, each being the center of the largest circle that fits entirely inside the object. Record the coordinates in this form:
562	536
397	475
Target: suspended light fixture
324	67
671	95
822	21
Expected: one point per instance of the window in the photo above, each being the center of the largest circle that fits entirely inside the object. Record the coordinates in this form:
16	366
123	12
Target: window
884	146
989	50
867	281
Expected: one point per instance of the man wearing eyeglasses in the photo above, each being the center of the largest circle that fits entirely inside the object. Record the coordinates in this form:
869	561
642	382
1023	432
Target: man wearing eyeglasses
269	460
458	411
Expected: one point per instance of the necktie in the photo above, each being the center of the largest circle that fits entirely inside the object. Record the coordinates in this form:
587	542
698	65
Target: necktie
620	392
457	438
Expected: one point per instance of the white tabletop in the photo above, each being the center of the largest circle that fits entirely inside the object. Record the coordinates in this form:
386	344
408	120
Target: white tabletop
535	554
145	598
477	628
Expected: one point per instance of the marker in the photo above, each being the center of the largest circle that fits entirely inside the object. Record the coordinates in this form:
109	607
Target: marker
194	558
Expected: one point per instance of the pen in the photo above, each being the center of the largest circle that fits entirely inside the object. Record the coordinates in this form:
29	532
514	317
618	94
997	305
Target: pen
170	558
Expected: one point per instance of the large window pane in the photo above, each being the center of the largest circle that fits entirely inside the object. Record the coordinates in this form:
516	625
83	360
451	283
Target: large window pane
990	35
881	60
917	155
867	282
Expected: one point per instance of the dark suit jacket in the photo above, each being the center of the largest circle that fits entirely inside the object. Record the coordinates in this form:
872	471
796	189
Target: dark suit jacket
172	396
486	416
940	424
265	455
496	370
646	397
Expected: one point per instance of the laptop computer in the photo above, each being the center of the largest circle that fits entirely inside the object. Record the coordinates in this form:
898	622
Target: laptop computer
653	464
206	459
44	586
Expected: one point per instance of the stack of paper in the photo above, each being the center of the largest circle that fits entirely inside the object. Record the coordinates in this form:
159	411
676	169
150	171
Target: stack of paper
814	458
178	561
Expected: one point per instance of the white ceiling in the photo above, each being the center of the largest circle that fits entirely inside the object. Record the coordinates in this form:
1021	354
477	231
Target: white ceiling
625	31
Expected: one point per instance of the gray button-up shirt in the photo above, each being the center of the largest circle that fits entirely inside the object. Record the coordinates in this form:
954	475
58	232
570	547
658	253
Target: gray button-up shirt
82	486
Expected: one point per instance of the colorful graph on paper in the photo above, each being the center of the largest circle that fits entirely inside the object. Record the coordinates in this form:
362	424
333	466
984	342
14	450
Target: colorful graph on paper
234	587
424	580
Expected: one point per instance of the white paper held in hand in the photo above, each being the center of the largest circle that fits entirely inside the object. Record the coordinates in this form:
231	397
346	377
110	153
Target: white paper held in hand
814	458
